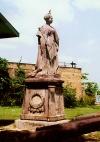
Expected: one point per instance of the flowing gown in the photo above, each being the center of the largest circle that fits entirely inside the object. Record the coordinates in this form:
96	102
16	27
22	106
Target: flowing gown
48	44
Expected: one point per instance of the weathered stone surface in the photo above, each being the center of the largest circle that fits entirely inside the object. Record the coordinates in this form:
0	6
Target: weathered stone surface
43	99
33	125
48	46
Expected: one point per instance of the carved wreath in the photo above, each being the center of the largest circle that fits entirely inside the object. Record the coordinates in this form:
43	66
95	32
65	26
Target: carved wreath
36	101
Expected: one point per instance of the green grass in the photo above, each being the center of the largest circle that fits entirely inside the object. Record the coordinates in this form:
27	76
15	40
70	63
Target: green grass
9	113
93	136
79	111
12	113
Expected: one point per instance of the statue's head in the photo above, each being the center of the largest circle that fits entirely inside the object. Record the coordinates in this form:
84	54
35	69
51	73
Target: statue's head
48	17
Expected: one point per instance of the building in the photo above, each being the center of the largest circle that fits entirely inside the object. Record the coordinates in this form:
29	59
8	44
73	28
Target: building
6	29
70	75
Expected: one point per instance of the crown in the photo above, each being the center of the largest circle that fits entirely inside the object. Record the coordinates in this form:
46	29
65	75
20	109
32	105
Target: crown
48	15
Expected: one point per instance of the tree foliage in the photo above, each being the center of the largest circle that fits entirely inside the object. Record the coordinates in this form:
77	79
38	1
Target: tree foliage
11	89
91	88
18	85
98	92
4	76
84	76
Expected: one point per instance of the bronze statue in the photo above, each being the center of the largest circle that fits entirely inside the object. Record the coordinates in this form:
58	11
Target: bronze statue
48	45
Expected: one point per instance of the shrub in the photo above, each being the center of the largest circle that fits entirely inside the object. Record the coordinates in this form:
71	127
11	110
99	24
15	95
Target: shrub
69	96
87	101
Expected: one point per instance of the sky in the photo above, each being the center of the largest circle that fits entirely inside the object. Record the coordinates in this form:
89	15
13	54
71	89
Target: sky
76	21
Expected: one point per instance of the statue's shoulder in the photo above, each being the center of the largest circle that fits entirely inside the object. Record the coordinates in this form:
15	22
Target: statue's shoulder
52	28
41	28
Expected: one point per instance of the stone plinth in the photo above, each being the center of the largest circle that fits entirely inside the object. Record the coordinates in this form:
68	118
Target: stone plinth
43	100
32	124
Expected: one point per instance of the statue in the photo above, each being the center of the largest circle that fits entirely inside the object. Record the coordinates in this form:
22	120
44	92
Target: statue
48	45
43	100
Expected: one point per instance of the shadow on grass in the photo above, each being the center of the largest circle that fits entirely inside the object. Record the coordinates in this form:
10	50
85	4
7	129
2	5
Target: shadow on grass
6	122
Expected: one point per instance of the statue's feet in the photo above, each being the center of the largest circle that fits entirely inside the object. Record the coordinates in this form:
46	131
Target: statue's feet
33	74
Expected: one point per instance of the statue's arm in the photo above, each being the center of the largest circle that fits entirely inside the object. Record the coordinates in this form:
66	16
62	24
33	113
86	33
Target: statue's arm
40	44
39	40
56	38
39	37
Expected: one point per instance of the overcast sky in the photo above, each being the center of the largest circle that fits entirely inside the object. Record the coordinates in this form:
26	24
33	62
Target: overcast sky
76	21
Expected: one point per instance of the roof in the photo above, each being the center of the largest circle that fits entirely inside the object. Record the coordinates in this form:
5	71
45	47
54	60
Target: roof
6	29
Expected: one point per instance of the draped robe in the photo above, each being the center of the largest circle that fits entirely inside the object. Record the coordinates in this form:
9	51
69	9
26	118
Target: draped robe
48	44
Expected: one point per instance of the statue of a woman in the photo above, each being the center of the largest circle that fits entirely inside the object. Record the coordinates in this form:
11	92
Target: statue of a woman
48	45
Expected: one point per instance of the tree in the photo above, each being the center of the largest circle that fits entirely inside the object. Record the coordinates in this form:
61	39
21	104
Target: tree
4	81
11	89
91	88
84	76
4	76
98	92
18	85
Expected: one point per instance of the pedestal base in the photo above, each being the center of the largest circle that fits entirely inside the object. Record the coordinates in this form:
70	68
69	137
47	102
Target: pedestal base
43	99
43	118
32	125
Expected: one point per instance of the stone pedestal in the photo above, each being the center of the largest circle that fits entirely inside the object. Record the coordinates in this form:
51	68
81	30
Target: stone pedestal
43	100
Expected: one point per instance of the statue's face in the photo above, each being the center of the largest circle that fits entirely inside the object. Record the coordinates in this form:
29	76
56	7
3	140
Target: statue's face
50	20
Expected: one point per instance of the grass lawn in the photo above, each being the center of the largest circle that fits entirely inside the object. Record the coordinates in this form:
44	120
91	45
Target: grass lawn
79	111
93	136
9	113
13	113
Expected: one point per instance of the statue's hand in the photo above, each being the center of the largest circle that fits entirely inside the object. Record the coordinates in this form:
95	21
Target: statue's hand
41	51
